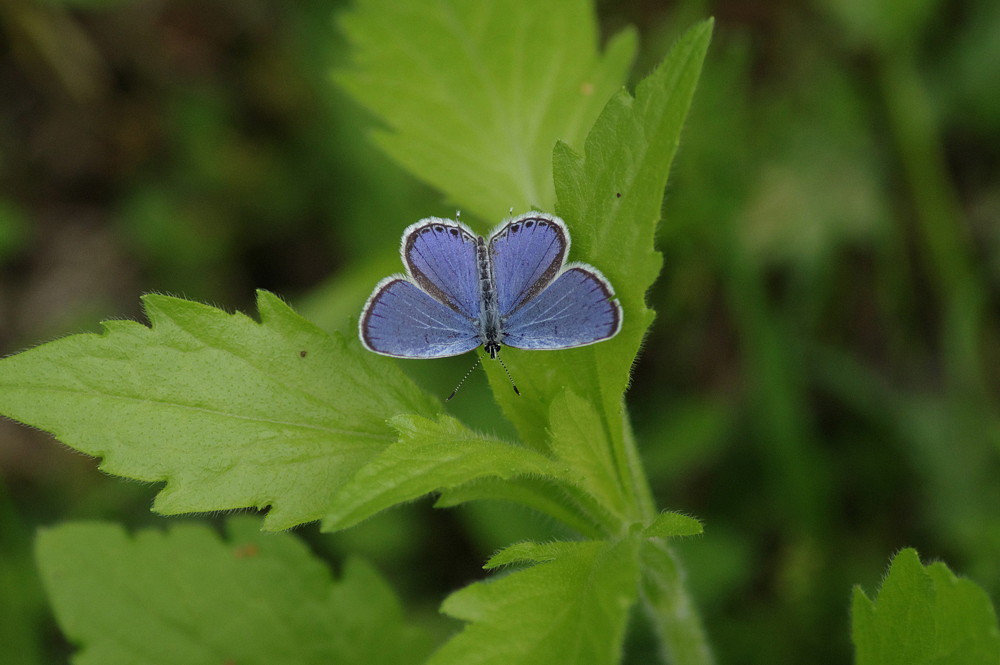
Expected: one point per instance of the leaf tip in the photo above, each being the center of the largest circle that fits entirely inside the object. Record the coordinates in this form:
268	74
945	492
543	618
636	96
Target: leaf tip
673	525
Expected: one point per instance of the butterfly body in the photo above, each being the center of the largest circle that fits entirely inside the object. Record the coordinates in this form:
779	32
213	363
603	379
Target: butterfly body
513	288
490	325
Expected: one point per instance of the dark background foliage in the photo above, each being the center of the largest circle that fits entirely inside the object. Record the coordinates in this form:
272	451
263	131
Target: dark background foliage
820	387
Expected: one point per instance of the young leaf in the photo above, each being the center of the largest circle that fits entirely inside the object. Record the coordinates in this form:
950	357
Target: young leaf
185	596
611	198
567	503
430	455
475	94
668	525
229	412
924	615
528	552
570	609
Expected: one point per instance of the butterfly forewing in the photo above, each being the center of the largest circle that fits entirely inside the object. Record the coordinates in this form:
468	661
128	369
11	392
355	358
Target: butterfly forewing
402	320
527	254
441	257
576	309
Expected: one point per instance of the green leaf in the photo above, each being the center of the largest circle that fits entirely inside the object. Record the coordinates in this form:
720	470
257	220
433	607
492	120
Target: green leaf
571	608
528	552
15	229
667	525
187	597
23	610
475	94
430	455
580	440
924	615
566	503
611	198
229	412
894	25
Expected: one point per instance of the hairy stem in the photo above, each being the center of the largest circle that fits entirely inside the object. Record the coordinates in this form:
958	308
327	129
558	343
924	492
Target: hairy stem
670	609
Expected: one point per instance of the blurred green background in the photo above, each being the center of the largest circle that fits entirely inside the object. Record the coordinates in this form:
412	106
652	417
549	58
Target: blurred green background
820	386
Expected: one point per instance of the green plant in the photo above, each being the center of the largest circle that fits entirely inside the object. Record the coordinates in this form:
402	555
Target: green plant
924	615
278	414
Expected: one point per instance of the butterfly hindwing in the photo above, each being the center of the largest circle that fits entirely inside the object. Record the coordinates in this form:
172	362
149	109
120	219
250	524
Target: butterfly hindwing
402	320
576	309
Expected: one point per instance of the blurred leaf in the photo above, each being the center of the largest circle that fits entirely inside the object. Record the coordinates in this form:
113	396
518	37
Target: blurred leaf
13	229
688	434
717	569
430	456
964	89
719	163
183	241
818	185
336	303
571	608
953	444
22	602
186	596
924	615
230	412
888	24
475	94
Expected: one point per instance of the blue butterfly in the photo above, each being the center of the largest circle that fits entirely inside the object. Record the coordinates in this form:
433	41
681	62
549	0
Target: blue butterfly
462	291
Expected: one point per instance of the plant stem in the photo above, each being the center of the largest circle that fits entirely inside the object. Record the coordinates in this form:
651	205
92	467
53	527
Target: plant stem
664	597
670	609
634	475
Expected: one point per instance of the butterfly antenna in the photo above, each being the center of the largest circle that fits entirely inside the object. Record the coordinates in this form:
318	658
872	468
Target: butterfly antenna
479	359
509	377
